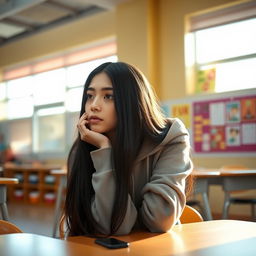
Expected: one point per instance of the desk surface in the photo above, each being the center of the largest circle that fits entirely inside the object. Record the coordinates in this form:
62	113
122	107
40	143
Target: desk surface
30	167
219	237
222	173
196	173
7	181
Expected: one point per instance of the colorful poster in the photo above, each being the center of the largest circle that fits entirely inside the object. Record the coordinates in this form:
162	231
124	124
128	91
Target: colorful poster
217	138
183	112
233	136
225	125
248	109
249	134
233	112
217	113
206	80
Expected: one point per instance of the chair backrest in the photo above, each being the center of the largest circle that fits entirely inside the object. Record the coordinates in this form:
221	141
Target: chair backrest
190	215
62	227
7	227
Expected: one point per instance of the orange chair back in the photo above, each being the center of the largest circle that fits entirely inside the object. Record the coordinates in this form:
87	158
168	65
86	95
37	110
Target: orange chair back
7	227
190	215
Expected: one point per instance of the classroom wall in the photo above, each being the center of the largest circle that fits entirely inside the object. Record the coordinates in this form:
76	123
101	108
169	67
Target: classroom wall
172	64
149	34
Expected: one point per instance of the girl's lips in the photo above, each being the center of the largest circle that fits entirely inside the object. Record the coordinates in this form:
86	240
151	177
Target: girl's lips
94	120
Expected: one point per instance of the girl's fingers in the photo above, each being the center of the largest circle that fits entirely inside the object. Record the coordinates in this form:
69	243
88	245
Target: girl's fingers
83	120
82	127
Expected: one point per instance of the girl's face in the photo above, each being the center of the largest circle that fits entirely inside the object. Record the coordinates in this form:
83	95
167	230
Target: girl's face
100	105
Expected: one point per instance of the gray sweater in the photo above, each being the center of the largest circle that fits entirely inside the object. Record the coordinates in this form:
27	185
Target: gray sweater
158	183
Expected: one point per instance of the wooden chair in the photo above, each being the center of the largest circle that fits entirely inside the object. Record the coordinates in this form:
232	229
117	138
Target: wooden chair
7	227
190	215
237	197
62	227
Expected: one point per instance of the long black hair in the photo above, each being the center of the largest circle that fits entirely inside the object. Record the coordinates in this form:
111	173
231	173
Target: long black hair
138	116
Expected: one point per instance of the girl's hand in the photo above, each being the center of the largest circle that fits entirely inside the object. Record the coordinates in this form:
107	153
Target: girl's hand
97	139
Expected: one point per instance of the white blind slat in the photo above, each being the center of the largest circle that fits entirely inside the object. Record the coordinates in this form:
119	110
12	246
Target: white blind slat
223	16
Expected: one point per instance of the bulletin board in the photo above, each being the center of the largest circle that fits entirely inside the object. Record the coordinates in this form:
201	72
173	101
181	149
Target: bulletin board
223	123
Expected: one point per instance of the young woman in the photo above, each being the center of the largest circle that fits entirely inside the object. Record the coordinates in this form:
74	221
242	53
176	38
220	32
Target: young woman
129	164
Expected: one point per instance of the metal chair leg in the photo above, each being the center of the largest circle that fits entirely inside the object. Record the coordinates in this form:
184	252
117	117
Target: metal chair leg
4	211
207	209
226	206
253	212
57	213
3	205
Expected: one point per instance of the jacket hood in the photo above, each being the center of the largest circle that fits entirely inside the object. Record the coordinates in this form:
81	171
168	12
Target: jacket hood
150	147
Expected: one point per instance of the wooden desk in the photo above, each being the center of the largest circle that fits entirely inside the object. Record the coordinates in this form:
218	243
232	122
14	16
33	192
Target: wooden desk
230	180
3	188
211	238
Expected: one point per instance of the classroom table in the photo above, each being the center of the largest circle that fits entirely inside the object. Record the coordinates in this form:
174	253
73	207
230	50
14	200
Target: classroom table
211	238
230	180
4	182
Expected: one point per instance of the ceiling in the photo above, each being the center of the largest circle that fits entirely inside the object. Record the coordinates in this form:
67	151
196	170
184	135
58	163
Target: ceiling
22	18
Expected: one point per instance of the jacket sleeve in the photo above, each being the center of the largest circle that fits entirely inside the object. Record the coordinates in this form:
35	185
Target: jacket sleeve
164	195
103	182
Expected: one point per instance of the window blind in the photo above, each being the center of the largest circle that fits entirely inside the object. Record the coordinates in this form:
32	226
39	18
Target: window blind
242	11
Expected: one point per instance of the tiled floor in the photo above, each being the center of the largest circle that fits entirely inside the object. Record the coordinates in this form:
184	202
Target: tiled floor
32	218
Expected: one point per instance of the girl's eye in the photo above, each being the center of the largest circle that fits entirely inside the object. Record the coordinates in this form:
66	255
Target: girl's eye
109	96
89	96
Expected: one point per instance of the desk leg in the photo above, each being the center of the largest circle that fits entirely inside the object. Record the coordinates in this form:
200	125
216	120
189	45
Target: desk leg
57	211
226	206
206	204
3	205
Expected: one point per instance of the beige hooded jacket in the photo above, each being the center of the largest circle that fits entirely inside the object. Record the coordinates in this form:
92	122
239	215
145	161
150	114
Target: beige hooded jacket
158	194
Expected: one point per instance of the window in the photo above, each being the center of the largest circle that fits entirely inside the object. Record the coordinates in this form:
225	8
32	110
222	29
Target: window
19	96
2	91
19	108
20	132
221	49
38	112
74	99
49	130
49	87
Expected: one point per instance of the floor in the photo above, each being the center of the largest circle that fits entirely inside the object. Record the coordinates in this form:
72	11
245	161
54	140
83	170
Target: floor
32	218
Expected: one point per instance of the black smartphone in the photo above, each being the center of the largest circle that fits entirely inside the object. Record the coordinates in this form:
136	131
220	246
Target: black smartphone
111	243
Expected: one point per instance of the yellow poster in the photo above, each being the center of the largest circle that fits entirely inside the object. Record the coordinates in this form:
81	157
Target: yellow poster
183	112
205	80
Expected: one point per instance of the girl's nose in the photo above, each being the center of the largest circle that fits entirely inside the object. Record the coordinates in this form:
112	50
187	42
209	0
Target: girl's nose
95	105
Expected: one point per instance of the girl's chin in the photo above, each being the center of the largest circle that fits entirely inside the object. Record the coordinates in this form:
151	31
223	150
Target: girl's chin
94	129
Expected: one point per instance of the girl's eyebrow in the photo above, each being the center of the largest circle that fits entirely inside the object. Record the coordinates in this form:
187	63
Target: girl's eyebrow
102	89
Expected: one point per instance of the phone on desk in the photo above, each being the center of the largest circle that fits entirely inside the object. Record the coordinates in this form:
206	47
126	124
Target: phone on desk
111	243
